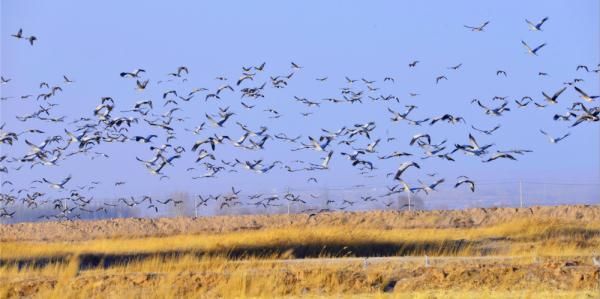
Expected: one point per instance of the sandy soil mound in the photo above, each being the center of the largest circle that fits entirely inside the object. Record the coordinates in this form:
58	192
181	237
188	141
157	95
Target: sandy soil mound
547	276
136	227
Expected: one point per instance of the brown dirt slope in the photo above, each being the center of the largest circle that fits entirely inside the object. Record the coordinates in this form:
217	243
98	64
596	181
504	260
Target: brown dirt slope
136	227
350	280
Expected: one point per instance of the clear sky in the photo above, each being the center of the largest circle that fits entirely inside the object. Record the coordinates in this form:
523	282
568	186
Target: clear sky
93	41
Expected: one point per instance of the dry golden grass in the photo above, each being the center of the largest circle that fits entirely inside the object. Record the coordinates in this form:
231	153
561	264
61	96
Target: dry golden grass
523	237
188	274
216	277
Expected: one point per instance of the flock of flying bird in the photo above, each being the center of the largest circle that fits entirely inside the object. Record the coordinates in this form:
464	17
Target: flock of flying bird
111	122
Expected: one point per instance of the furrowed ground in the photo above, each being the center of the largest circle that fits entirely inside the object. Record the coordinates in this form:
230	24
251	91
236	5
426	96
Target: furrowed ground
501	252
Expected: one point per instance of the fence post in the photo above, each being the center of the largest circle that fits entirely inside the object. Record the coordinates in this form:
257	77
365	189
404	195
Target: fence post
409	203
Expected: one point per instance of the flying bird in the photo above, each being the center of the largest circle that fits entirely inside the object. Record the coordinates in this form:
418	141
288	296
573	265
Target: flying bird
532	51
584	95
499	155
487	132
403	167
19	34
32	39
478	28
133	74
456	67
467	181
141	85
58	185
538	26
553	99
554	140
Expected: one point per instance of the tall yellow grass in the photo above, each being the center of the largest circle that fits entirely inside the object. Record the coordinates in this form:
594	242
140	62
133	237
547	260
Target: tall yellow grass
525	237
219	276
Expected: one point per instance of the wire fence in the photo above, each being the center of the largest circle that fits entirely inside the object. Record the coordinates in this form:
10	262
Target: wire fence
510	193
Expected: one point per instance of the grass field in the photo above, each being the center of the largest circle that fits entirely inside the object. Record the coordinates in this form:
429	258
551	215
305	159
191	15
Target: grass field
548	259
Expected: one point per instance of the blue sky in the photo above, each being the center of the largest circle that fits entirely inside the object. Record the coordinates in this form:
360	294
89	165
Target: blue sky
93	41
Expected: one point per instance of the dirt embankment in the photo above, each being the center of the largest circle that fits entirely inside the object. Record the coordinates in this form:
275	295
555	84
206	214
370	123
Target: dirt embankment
136	227
552	276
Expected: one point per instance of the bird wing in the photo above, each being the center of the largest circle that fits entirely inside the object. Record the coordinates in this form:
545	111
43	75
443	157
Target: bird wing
65	180
546	96
530	24
538	47
559	92
211	119
550	138
526	45
581	91
473	141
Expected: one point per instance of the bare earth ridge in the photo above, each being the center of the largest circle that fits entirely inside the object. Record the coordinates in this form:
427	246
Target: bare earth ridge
147	227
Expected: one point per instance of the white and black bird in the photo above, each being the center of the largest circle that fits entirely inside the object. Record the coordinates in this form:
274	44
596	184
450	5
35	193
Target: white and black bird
499	155
403	167
295	66
553	139
486	132
141	85
537	26
584	95
143	139
67	80
180	70
133	74
467	181
456	67
58	185
478	28
534	50
420	137
437	79
31	39
221	122
318	145
553	99
19	34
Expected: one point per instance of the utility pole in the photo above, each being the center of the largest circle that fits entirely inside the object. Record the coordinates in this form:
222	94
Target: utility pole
288	202
521	193
195	208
